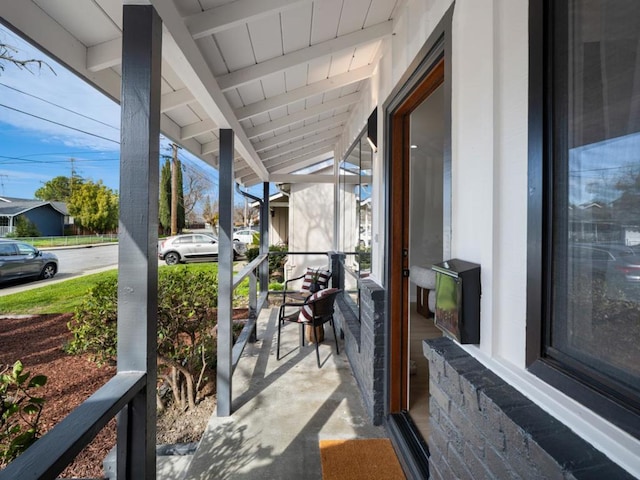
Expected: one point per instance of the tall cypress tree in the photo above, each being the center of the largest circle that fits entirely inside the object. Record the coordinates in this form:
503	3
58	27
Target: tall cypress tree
164	207
181	215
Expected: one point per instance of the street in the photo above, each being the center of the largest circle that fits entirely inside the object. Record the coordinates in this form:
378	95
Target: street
73	262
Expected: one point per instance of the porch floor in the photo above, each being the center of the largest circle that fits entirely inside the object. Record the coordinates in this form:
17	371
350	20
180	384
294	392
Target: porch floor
282	409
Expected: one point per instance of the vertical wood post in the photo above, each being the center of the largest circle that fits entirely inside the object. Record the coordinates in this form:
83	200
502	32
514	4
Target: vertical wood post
138	235
225	273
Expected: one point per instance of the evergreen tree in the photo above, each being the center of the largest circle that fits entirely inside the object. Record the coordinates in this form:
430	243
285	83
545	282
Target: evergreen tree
181	214
164	207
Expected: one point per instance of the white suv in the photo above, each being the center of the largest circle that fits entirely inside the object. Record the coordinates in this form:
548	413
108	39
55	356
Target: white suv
246	235
194	247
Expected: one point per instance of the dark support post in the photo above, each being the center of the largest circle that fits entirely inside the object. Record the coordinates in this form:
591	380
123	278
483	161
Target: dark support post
138	234
225	274
336	260
265	219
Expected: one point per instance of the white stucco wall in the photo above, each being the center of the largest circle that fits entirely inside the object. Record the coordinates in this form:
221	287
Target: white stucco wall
489	108
311	225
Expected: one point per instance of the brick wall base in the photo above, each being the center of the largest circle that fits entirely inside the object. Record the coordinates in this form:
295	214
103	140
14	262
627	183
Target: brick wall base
482	428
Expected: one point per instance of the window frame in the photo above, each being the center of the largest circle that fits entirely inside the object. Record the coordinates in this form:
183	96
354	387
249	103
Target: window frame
578	383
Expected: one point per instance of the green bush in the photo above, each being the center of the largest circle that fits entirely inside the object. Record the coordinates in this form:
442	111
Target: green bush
94	323
186	328
252	253
24	228
19	411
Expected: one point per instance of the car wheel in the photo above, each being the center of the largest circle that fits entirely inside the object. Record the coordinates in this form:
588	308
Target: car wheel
172	258
48	271
235	255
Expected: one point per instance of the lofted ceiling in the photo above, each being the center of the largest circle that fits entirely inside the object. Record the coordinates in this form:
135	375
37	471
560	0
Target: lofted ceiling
283	74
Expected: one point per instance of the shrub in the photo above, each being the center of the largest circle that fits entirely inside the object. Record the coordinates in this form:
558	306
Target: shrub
186	328
252	253
19	411
94	323
24	228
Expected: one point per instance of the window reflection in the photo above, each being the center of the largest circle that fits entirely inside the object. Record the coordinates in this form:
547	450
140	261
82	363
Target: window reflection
355	222
596	322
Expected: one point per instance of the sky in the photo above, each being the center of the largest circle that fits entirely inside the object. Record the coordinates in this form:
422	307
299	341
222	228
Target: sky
49	117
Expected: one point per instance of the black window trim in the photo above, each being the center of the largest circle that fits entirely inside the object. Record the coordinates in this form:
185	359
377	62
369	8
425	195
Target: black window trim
569	379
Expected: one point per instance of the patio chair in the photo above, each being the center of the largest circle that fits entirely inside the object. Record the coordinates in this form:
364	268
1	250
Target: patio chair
314	312
313	280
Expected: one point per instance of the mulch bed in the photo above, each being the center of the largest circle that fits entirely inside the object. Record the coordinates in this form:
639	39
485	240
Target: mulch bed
37	341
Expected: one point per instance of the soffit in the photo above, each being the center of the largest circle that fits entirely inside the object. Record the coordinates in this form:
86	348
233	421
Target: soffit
284	74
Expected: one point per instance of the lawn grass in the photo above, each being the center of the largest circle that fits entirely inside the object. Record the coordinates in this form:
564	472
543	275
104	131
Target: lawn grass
64	297
60	297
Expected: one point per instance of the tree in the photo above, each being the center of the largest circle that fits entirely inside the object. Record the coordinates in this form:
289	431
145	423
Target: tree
164	208
210	212
7	55
58	189
180	193
196	186
94	207
25	228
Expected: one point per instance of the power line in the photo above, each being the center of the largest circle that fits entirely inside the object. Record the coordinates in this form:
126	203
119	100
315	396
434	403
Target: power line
59	124
21	160
59	106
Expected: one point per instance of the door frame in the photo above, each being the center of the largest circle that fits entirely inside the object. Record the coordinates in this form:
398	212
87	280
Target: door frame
431	69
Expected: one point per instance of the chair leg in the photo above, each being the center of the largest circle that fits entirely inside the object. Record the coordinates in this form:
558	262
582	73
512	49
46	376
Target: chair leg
335	336
315	339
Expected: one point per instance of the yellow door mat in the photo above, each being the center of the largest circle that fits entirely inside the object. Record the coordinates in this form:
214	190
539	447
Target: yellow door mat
366	459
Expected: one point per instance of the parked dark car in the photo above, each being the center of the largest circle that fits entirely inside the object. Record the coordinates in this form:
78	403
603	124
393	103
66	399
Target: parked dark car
21	260
609	261
194	247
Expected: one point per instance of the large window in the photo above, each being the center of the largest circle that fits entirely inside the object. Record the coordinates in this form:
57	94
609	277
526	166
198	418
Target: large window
354	209
585	224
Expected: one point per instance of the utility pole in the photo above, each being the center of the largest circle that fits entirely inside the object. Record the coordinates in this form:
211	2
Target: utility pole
73	175
174	190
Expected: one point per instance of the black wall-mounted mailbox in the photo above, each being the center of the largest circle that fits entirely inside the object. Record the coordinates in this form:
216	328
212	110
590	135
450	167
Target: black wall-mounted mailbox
458	299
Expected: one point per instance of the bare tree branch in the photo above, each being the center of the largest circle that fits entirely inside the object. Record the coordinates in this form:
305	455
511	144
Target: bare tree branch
7	54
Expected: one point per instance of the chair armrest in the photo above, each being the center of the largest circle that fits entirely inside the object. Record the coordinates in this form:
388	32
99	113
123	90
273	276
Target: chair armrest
286	283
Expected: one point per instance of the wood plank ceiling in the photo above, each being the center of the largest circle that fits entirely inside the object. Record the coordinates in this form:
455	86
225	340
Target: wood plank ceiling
284	74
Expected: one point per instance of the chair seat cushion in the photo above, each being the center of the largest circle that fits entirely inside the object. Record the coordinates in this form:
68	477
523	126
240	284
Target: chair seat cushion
423	277
306	312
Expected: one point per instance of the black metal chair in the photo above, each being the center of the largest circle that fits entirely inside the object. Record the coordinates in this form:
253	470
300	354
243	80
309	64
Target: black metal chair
314	279
314	312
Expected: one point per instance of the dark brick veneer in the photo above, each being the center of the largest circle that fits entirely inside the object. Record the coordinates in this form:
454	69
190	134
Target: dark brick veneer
363	328
482	428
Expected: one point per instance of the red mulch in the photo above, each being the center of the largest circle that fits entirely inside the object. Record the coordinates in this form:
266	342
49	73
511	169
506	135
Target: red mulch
37	341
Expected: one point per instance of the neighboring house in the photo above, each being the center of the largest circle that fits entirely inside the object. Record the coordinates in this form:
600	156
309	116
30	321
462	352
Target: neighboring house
50	218
278	217
488	119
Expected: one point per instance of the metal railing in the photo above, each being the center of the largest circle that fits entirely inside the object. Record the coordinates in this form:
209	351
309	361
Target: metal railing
59	446
257	301
51	454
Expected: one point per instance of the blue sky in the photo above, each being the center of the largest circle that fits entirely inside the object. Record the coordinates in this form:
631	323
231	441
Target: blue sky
76	121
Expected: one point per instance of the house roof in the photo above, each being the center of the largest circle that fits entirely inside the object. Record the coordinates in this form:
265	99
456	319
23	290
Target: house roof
11	207
283	74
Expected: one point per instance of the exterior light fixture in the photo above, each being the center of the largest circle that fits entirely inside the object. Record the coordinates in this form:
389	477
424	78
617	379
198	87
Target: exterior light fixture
372	130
